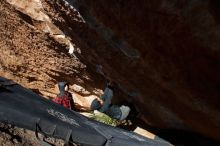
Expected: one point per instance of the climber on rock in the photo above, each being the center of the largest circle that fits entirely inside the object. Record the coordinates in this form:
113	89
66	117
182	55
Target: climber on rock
91	103
104	104
64	98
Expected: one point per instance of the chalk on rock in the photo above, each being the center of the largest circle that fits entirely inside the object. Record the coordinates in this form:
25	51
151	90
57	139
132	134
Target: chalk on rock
71	48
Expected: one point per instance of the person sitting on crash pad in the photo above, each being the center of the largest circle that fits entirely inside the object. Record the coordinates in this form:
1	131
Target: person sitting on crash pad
64	98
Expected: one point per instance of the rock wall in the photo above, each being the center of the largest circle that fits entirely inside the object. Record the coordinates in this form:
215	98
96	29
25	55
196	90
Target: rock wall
162	54
36	58
176	73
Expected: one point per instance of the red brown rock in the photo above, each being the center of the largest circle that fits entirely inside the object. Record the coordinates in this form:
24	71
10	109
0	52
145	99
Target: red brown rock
167	51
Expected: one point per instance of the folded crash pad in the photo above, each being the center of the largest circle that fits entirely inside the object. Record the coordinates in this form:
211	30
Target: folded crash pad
23	108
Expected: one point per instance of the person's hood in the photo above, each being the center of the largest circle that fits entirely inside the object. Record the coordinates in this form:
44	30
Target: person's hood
61	86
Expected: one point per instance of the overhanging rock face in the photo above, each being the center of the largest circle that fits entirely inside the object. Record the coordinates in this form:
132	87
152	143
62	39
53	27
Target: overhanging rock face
175	63
164	53
163	50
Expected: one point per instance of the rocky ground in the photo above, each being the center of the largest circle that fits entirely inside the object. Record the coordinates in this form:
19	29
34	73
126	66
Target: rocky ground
10	136
14	136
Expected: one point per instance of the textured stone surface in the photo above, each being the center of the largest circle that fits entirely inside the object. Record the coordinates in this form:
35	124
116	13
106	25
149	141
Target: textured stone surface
177	74
163	53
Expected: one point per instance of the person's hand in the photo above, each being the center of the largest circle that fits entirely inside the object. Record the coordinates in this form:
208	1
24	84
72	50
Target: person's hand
100	101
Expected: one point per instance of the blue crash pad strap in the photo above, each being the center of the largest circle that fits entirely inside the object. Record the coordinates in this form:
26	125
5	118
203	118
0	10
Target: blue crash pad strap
67	139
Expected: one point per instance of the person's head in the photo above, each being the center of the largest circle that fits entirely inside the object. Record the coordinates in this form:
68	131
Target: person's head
63	87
